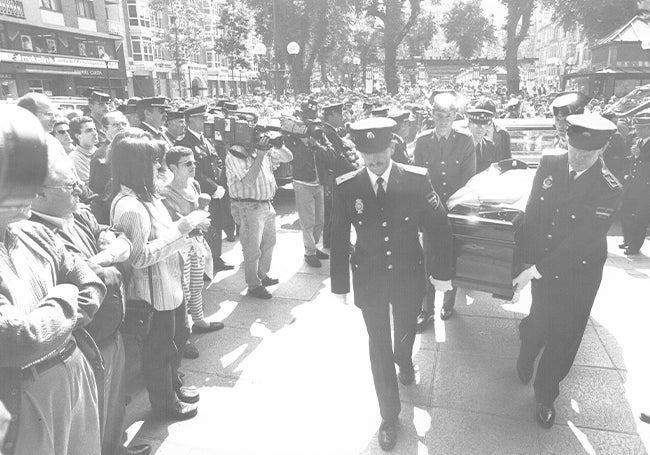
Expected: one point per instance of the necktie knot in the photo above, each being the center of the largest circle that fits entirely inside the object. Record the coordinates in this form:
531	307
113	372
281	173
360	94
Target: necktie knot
573	174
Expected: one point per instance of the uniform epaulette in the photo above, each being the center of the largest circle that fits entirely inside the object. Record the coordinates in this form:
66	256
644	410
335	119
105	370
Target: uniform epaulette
610	179
345	177
415	169
424	133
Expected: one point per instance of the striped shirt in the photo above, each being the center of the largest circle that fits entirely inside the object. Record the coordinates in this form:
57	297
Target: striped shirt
264	187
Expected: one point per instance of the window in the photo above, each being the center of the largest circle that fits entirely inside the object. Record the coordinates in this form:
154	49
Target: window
142	49
86	8
210	59
52	5
158	52
133	15
156	19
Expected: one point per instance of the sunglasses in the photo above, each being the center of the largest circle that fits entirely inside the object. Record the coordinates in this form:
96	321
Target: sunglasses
62	132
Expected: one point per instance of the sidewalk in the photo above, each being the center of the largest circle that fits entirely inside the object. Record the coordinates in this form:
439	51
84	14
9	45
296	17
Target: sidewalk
291	375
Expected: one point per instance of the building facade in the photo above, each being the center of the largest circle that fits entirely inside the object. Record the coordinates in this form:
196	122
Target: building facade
60	47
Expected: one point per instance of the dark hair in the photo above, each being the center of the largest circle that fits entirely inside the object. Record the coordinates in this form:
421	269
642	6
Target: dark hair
175	154
60	120
30	101
75	126
133	153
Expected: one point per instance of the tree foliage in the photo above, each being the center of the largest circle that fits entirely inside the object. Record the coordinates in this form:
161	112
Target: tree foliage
467	26
420	36
597	17
232	33
517	26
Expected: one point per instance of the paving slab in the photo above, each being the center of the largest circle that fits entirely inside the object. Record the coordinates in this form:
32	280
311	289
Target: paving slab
592	351
481	335
570	439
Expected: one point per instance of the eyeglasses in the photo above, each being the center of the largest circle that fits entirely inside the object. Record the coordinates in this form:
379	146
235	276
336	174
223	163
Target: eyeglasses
71	187
188	163
119	124
62	132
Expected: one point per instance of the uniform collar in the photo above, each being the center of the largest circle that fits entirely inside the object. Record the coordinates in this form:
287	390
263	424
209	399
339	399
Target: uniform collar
385	176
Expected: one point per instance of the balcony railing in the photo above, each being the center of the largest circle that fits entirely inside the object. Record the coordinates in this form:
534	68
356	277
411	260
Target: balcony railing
12	8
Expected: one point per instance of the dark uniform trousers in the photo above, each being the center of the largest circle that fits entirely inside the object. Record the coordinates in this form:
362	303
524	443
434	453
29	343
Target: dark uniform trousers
209	168
451	163
565	236
388	263
635	209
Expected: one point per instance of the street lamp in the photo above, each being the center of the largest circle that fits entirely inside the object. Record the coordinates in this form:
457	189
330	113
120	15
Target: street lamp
292	49
346	68
107	59
356	62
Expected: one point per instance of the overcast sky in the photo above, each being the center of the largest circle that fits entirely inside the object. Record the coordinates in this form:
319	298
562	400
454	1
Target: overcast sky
496	8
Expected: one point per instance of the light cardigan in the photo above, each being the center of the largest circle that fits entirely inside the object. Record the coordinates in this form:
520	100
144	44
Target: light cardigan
157	242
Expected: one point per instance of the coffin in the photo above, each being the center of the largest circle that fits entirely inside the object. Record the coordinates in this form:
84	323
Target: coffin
485	216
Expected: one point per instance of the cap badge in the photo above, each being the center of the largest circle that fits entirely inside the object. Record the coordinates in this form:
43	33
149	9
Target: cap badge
358	206
548	182
370	135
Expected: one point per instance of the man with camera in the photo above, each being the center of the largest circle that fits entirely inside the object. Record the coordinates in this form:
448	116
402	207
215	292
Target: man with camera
251	184
313	159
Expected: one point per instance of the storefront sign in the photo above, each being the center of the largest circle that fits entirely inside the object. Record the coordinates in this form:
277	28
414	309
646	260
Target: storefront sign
43	59
6	76
94	73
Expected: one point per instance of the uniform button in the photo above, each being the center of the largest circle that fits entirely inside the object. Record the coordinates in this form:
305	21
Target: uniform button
444	173
426	162
557	210
584	262
389	252
457	161
406	218
386	239
556	277
552	223
546	249
442	162
573	217
541	198
549	236
390	266
360	222
384	224
444	183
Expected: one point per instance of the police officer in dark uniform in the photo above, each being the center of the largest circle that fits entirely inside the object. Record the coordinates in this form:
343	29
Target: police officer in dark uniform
563	245
400	134
153	113
449	156
479	120
499	136
175	124
565	104
635	209
387	202
129	109
98	107
209	168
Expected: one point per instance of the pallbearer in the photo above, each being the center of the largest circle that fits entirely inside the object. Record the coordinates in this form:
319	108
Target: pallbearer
386	202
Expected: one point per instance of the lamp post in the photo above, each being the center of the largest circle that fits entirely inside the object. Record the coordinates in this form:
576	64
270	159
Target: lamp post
107	59
292	49
356	62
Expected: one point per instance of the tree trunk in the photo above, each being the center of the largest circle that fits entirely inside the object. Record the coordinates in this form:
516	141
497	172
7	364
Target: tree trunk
390	69
323	72
512	67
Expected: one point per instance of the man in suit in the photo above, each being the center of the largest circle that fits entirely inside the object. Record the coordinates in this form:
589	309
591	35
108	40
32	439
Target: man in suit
387	203
153	114
499	136
563	105
209	168
449	156
635	209
563	247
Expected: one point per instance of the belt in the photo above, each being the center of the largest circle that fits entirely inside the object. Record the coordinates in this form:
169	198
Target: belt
34	371
249	200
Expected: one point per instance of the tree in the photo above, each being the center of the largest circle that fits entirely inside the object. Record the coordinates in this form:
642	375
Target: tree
517	26
421	35
185	36
597	17
232	33
466	26
397	17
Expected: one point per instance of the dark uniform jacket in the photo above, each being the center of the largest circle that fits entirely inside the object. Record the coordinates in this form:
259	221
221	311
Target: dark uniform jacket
637	183
209	166
156	134
501	139
486	154
101	132
387	250
310	162
342	165
400	155
566	222
450	163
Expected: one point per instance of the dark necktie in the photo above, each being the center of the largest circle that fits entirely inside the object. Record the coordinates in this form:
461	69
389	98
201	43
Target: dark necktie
381	193
479	154
573	175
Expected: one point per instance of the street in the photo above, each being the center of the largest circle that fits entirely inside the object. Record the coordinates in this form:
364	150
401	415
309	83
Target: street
291	375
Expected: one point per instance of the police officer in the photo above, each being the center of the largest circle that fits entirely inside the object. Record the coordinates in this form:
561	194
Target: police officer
479	120
387	202
98	107
564	247
635	209
499	136
449	156
565	104
129	109
175	124
400	135
153	113
209	168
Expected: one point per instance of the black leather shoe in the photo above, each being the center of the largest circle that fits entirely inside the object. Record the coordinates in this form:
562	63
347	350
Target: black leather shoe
211	327
190	351
630	251
322	255
313	261
645	417
545	415
140	449
188	394
178	411
424	321
220	265
446	313
524	368
406	375
230	238
259	292
268	281
622	245
387	435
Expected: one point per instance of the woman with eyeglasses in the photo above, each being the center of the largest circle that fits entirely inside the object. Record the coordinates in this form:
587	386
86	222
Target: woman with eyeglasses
182	196
138	211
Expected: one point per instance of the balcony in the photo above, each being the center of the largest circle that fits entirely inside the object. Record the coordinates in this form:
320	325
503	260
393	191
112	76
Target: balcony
13	8
113	27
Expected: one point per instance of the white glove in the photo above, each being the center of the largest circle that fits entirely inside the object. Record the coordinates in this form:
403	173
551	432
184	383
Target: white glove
522	280
219	193
341	299
442	286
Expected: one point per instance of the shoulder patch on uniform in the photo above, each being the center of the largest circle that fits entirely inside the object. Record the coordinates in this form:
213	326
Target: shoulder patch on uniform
604	212
424	133
611	181
415	169
345	177
433	199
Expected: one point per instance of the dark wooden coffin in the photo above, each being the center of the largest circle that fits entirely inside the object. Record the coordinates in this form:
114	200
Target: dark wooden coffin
485	217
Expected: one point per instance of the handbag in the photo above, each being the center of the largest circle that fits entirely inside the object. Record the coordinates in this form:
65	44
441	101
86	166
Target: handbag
138	314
